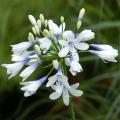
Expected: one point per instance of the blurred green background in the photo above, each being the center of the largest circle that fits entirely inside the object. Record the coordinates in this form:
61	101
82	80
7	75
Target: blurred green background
100	81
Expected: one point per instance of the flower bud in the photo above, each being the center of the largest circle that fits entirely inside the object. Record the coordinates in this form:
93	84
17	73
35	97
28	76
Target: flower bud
78	25
55	64
39	23
46	32
42	18
62	19
34	30
81	14
30	36
37	49
46	23
32	19
37	29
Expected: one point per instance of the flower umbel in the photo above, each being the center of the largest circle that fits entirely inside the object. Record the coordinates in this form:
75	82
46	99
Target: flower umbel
58	49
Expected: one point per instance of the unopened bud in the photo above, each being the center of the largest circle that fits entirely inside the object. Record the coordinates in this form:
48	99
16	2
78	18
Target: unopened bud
34	30
62	19
55	64
78	25
37	49
42	18
37	29
81	14
46	32
39	23
30	36
46	23
32	19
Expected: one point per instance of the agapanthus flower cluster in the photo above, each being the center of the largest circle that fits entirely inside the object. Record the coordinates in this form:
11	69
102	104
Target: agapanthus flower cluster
60	49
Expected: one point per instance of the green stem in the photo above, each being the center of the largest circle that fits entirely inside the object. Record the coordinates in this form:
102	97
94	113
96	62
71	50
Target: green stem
50	72
71	104
72	110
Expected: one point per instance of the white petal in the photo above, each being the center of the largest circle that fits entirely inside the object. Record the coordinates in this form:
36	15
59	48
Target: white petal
63	42
13	69
72	72
108	55
53	87
74	86
64	80
66	97
29	70
53	27
62	28
76	93
85	35
75	56
69	35
51	80
28	93
17	58
45	44
102	46
75	67
54	96
17	48
59	88
67	61
63	52
81	46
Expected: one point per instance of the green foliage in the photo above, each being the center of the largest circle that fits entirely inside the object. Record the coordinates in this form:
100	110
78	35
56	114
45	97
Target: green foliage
100	81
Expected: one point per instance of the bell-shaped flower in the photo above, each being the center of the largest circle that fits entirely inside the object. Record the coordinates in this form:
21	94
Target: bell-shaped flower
45	44
106	52
85	35
29	70
21	47
71	43
14	69
75	67
55	29
58	77
73	62
16	57
31	87
65	93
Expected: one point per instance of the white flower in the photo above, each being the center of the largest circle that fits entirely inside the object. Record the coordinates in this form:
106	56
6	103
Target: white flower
13	69
73	62
106	52
71	43
21	47
54	27
75	67
16	57
31	87
85	35
58	77
102	47
45	44
29	70
65	92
